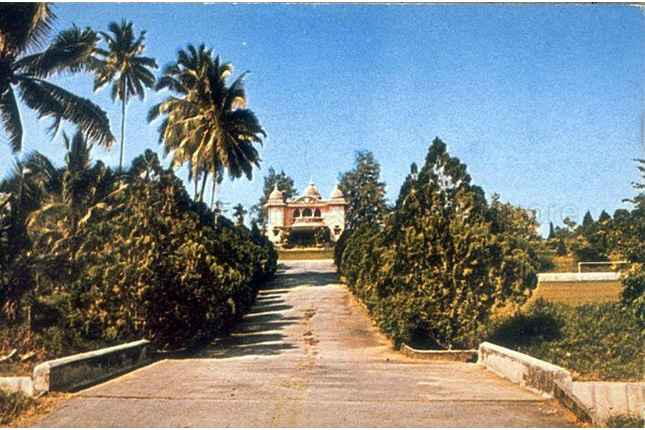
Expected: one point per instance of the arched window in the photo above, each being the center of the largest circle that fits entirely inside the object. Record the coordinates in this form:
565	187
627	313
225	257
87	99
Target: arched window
306	213
317	213
296	213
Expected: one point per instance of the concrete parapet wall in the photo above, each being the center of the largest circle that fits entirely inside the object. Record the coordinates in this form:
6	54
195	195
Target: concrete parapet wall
76	371
465	355
608	399
594	401
575	276
17	384
536	375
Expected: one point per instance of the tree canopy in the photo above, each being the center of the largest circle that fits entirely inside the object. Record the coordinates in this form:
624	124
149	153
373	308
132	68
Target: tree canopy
24	28
444	258
363	191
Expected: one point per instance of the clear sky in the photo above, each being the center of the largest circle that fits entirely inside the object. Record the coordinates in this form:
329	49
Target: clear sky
544	103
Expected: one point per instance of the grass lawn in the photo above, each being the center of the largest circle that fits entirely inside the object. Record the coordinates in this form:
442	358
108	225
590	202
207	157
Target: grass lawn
578	293
305	254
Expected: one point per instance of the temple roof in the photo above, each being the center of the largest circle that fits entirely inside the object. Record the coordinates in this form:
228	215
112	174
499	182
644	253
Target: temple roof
336	194
276	194
311	191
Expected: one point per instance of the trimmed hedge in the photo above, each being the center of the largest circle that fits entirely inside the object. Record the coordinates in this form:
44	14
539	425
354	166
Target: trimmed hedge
443	259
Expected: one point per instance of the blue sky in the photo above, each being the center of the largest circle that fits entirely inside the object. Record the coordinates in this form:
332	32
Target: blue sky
544	103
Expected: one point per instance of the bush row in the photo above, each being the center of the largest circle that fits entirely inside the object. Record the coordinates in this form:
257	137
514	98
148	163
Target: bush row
144	261
435	268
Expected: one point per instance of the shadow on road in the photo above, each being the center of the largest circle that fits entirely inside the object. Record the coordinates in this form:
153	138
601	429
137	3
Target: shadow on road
288	281
260	332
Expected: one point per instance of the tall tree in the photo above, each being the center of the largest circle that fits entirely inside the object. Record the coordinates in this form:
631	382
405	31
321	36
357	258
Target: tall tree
74	193
364	192
588	225
239	213
123	64
23	28
205	121
409	180
285	185
551	231
440	263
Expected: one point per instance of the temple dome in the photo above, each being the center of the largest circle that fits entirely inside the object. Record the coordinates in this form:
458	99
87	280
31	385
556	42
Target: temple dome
336	194
311	191
276	194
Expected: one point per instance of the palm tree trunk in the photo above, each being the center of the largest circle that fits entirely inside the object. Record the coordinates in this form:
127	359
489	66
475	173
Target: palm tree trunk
196	187
123	103
213	198
201	193
213	191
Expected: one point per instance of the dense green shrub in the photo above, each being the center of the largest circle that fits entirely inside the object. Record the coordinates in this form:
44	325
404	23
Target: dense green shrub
339	247
140	259
625	421
11	405
633	294
157	269
443	258
594	341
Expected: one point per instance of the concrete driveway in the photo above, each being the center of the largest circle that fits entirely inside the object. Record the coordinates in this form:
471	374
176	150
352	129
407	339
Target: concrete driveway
307	355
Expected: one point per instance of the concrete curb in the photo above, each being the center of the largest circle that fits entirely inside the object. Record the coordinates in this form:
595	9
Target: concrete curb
609	399
17	384
80	370
536	375
460	355
529	372
578	277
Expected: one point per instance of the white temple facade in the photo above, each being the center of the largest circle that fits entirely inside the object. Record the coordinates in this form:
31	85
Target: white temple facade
307	213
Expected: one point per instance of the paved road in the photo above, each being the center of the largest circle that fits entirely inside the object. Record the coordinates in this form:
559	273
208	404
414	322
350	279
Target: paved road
306	356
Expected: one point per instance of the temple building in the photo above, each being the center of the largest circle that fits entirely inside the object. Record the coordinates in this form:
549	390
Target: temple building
306	218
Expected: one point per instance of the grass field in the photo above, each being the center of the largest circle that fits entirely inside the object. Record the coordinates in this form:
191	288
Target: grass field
578	293
305	254
564	263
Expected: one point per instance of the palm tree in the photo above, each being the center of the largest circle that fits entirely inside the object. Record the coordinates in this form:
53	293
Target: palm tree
123	63
239	213
22	193
74	193
205	122
24	28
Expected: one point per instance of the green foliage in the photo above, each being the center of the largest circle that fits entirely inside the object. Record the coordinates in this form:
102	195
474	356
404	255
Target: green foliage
364	193
23	30
239	213
625	421
320	236
443	259
595	341
551	231
11	405
135	258
628	238
205	122
561	248
123	64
